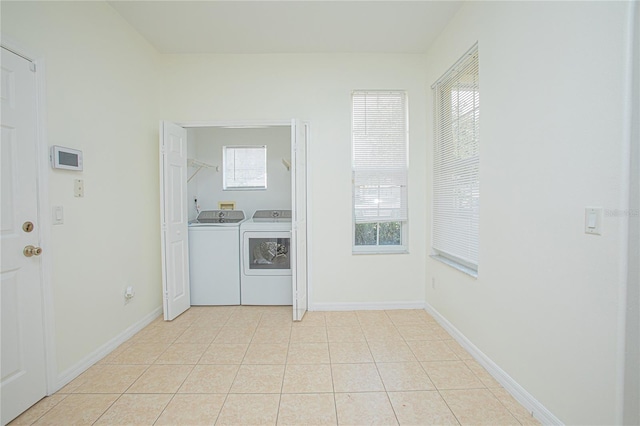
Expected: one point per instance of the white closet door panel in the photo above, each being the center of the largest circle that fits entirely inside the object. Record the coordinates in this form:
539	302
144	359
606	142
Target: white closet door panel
175	252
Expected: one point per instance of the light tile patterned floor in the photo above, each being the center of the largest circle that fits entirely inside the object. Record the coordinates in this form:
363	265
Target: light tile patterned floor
252	365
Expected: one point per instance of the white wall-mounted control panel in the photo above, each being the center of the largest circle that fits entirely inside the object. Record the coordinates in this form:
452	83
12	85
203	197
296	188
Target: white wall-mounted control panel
66	158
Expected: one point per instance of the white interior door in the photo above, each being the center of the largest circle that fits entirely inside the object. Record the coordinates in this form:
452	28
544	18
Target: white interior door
23	350
299	218
174	220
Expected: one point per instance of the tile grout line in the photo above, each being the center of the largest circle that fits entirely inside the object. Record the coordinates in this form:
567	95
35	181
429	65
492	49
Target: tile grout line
226	397
183	381
43	414
333	384
197	363
284	375
165	407
154	363
434	385
107	409
507	408
383	384
384	387
439	393
121	393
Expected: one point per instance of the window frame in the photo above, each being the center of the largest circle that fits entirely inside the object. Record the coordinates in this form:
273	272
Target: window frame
404	233
382	249
225	183
456	258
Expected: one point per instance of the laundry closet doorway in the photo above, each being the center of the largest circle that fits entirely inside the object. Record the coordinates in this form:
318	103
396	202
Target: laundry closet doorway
191	170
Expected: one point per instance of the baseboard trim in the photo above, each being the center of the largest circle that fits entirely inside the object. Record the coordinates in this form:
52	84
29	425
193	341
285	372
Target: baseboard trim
365	306
71	373
538	410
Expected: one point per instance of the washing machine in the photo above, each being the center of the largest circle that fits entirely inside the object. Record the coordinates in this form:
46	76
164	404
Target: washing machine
265	244
214	257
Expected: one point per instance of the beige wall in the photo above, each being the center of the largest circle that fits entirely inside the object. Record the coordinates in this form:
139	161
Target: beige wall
318	88
100	98
546	305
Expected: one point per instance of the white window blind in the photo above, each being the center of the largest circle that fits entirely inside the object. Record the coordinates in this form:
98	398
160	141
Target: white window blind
245	167
379	156
456	184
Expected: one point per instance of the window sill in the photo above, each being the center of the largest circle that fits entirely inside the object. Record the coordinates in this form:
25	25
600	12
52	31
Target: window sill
464	269
402	250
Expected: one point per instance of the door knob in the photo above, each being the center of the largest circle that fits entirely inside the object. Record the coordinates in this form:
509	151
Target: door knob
32	251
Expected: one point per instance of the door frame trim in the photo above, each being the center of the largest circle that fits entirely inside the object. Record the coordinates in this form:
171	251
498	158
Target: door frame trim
44	218
269	123
234	123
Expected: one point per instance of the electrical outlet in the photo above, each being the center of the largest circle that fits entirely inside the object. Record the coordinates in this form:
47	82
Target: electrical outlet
78	188
129	292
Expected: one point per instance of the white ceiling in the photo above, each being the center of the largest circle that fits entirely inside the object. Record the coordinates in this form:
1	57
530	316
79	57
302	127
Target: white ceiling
337	26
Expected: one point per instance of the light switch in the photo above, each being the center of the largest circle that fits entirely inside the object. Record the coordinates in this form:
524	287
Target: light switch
78	188
593	220
58	215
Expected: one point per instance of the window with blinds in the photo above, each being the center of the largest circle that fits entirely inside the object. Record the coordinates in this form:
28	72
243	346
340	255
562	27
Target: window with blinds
245	167
456	178
380	168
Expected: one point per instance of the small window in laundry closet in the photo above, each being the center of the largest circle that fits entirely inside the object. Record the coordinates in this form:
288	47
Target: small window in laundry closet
245	167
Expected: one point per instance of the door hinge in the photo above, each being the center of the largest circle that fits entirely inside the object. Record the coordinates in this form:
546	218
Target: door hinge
32	66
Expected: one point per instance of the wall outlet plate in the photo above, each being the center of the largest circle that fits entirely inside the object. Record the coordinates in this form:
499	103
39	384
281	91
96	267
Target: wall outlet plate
78	188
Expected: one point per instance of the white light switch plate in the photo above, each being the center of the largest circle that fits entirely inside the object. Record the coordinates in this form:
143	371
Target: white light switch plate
58	215
593	220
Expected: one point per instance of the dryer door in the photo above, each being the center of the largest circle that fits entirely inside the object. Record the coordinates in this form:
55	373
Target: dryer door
266	253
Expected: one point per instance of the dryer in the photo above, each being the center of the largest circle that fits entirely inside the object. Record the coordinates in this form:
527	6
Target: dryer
265	244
